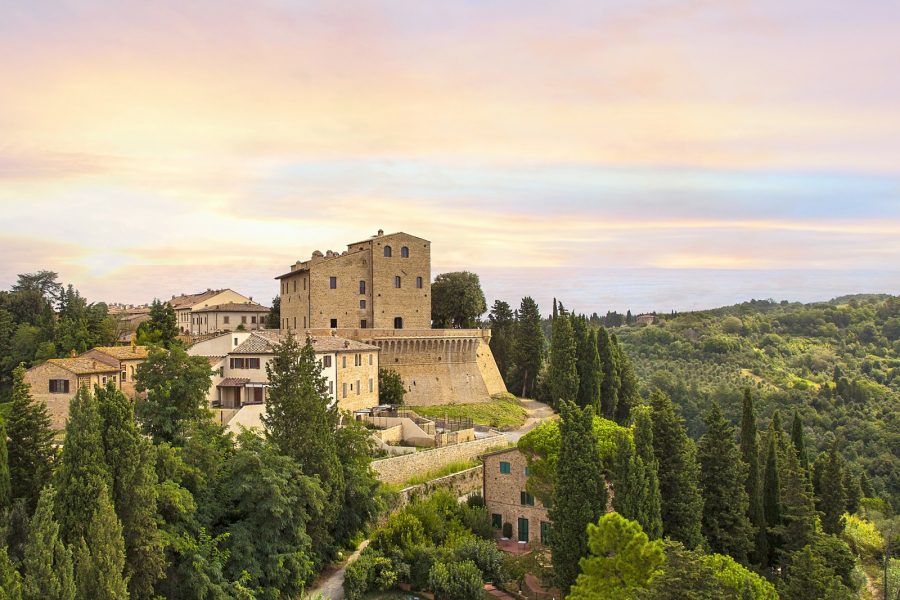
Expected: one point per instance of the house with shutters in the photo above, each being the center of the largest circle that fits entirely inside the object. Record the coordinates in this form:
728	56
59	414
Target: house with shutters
507	500
56	382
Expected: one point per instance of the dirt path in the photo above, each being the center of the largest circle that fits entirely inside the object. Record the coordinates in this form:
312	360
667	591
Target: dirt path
537	413
332	586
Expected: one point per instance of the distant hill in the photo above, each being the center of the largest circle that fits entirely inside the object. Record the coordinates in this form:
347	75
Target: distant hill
836	362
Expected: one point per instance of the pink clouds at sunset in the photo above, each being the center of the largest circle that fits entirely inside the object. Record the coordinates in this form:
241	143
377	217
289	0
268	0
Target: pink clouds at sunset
153	148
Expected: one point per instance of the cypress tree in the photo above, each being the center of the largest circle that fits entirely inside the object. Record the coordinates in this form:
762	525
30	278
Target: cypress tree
629	395
864	486
750	456
772	491
629	480
854	493
47	562
100	556
300	418
580	492
10	580
832	495
609	386
30	450
643	447
130	459
722	479
529	347
5	488
589	370
798	511
82	472
679	473
563	373
797	438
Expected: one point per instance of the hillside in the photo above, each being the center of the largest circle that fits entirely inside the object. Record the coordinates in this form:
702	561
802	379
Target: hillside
836	362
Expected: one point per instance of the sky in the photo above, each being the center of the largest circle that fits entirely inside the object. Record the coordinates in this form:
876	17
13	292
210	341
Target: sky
624	154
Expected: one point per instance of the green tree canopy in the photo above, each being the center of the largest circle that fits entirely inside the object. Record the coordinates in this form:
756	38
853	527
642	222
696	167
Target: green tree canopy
563	371
47	564
390	387
528	351
457	300
31	451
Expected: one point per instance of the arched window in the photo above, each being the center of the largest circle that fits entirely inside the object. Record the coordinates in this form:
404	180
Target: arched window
404	252
398	322
387	251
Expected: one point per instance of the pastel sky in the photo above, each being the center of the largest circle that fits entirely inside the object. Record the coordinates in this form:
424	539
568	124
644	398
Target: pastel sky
643	154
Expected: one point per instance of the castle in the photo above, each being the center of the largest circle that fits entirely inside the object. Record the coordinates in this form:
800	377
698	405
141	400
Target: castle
378	291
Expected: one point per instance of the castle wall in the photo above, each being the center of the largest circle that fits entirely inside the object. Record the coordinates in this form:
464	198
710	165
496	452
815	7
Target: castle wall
411	303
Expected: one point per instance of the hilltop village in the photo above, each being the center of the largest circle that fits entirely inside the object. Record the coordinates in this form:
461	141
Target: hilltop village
358	440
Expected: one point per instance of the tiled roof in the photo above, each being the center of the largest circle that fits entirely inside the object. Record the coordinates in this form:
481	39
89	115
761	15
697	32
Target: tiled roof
83	366
235	307
261	342
234	382
124	352
189	300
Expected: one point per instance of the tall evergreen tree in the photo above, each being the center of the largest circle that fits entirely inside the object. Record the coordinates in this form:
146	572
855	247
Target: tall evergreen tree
798	511
609	385
831	493
503	327
130	459
47	563
5	488
563	374
854	493
300	418
750	456
629	395
82	472
799	441
679	473
100	556
580	492
10	580
772	491
31	452
529	346
643	446
629	480
588	364
722	480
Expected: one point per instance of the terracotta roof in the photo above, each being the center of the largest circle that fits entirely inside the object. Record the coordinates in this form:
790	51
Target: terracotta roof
234	382
189	300
235	307
214	360
385	235
261	342
83	366
124	352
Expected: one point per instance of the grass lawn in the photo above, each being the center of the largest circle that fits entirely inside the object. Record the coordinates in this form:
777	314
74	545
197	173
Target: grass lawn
502	412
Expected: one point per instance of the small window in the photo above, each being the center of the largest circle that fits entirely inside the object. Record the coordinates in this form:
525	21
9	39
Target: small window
404	252
419	283
397	281
244	320
59	386
225	319
332	282
371	385
504	468
327	361
295	285
527	471
362	286
344	390
252	363
235	342
387	251
124	376
358	389
334	323
344	362
398	322
362	324
362	304
104	380
331	389
370	359
497	521
526	499
253	319
545	532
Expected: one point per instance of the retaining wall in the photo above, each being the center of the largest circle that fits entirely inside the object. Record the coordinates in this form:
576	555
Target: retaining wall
399	469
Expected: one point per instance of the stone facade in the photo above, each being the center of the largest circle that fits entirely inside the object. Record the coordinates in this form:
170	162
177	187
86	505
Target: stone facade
506	498
383	282
56	382
229	317
125	358
399	469
186	307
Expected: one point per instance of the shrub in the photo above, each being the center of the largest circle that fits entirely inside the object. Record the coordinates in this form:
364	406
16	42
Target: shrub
402	533
486	556
456	581
371	571
479	521
476	500
507	530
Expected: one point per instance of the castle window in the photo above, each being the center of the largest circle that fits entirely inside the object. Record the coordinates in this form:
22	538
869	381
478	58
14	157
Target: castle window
396	281
304	283
404	252
344	363
387	251
419	282
332	282
362	287
344	389
295	285
362	324
334	323
362	304
370	359
357	387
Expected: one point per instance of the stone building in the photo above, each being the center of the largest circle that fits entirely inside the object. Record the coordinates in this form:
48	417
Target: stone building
56	382
125	358
188	306
507	499
229	317
239	362
383	282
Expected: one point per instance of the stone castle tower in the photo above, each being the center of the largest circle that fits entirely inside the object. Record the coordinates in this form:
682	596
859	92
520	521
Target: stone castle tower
378	291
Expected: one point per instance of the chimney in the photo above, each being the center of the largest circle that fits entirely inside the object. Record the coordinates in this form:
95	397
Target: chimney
380	232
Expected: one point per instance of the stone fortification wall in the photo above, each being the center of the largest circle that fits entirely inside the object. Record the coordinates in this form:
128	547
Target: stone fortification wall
438	366
460	484
398	469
